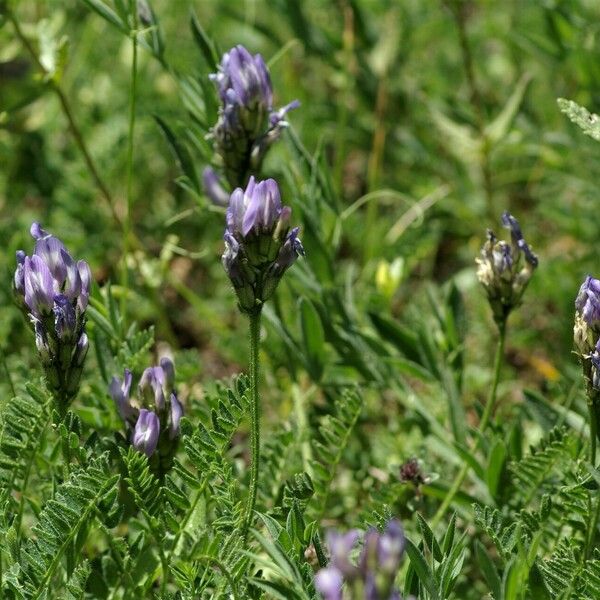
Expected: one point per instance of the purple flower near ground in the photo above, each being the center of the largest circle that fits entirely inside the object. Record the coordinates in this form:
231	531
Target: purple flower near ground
146	432
156	397
259	246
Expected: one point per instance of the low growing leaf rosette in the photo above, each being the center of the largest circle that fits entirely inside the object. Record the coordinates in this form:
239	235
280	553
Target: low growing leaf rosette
247	125
259	244
152	418
53	290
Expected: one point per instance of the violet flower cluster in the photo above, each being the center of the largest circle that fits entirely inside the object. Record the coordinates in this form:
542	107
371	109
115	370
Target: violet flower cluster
152	419
259	245
372	576
247	125
53	289
504	269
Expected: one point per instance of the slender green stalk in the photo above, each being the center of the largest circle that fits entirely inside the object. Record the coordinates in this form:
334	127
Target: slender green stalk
589	545
127	225
255	418
593	431
485	419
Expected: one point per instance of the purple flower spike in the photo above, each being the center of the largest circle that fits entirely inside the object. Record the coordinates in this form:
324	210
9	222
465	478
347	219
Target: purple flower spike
329	582
248	124
119	391
587	302
50	283
243	79
259	245
153	418
146	432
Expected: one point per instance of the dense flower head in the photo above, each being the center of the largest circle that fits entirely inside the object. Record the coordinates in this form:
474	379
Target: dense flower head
505	268
587	302
247	125
259	245
586	330
53	290
372	575
152	418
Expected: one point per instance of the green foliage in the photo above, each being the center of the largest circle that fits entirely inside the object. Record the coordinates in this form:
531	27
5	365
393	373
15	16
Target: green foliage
22	421
63	523
589	122
335	432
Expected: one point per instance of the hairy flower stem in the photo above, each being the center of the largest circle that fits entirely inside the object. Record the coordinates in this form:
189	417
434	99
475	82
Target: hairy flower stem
593	398
254	319
127	226
485	419
591	535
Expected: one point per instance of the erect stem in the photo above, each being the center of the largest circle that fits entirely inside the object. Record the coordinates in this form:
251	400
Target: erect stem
132	103
254	322
592	401
485	419
591	534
